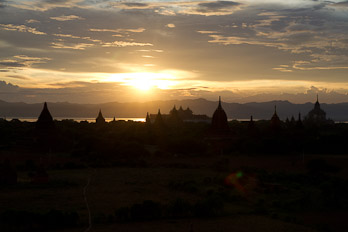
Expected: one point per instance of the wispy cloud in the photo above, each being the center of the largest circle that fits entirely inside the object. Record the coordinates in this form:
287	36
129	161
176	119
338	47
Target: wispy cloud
306	65
44	5
32	21
125	44
67	18
74	46
134	5
208	32
19	77
78	37
283	68
21	28
23	61
120	30
212	8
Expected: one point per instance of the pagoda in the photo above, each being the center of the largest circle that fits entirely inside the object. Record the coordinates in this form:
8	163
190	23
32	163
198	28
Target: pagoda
45	120
219	122
100	119
316	115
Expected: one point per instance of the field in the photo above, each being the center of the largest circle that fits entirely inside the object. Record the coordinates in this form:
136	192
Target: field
221	193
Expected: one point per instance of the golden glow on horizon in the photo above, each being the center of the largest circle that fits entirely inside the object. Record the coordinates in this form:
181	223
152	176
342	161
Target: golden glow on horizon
163	80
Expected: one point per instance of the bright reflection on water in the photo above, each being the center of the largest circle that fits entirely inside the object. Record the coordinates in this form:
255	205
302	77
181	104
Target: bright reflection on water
80	119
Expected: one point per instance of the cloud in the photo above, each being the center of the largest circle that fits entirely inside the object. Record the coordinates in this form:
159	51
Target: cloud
321	41
21	28
252	34
235	40
44	5
208	32
151	50
212	8
270	18
7	87
171	8
78	37
134	5
217	5
67	36
121	30
96	92
83	46
32	21
23	61
67	18
11	63
74	46
19	77
306	65
125	44
283	68
56	1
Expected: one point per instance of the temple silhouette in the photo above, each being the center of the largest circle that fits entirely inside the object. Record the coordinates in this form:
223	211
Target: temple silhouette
219	121
317	115
45	120
100	118
176	115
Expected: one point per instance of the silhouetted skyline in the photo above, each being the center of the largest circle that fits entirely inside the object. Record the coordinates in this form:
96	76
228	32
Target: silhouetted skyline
337	112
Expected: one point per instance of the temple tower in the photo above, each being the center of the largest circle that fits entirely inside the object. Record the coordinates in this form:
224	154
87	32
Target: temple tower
219	122
316	115
45	120
100	119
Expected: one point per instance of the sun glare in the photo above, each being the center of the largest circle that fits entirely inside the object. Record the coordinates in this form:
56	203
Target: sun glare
141	84
145	81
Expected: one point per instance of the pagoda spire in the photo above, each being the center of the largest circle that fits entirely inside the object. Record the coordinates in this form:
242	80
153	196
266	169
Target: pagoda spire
159	120
275	121
148	119
45	119
100	118
219	120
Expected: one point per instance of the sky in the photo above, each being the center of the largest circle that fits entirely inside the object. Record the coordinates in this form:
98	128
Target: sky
95	51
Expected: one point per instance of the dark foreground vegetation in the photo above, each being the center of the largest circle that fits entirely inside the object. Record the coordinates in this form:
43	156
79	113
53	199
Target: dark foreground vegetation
129	175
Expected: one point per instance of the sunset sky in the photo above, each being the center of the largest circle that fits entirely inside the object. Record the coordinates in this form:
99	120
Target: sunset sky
94	51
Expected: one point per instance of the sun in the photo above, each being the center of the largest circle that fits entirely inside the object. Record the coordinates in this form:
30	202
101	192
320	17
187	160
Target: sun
143	84
145	81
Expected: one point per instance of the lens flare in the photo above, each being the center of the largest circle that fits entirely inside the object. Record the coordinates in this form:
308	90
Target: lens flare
234	180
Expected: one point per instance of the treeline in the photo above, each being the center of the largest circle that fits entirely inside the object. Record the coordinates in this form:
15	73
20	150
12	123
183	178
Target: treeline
127	142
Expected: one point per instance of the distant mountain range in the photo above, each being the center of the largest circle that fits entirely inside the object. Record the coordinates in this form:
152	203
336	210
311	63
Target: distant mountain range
263	110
